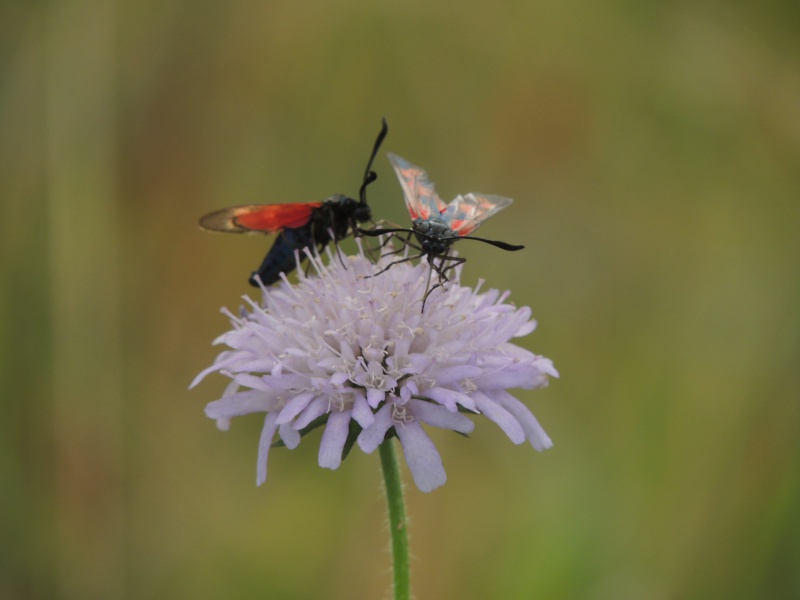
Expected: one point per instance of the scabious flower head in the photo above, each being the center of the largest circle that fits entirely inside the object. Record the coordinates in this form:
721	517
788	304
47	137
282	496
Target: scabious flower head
355	354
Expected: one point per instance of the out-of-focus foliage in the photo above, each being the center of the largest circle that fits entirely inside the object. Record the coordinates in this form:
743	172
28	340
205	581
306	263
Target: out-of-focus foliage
653	152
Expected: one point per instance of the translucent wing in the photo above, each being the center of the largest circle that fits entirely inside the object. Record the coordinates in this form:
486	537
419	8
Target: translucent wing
466	213
263	218
421	198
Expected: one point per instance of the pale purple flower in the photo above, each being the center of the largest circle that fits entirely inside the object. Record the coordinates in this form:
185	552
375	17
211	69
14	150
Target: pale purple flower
343	346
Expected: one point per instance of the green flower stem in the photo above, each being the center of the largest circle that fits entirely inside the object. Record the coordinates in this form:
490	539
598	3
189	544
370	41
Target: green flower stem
398	525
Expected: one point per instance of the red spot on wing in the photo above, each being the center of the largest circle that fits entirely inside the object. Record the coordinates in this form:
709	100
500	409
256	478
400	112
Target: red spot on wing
274	217
461	227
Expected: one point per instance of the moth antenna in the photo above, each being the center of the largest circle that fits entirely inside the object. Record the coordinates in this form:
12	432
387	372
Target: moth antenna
369	174
496	243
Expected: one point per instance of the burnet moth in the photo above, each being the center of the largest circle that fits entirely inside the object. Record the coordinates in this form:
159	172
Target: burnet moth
436	225
302	225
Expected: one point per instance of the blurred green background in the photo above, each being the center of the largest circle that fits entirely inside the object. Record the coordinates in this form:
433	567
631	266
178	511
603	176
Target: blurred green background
653	150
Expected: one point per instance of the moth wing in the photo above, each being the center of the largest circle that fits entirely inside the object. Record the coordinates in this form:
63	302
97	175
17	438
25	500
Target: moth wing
421	198
259	218
466	213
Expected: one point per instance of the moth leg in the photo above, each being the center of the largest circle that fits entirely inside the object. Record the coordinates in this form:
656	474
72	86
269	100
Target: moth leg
379	226
372	251
441	270
406	242
428	288
397	262
455	260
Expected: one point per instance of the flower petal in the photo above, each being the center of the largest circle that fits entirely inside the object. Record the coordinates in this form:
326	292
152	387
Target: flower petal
333	439
545	365
501	416
447	376
533	431
373	436
450	398
375	397
264	443
361	411
289	435
439	416
422	457
238	404
513	375
294	407
339	378
316	408
231	358
526	328
252	381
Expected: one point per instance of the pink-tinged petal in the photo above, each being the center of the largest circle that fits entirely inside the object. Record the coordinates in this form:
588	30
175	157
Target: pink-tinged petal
361	410
438	416
290	436
533	431
333	440
267	433
504	419
422	457
450	398
294	407
373	436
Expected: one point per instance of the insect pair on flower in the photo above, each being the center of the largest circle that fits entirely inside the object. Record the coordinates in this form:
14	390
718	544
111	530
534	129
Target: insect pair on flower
435	226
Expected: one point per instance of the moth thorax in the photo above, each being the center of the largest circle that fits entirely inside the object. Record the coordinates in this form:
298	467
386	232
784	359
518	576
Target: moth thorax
345	208
435	237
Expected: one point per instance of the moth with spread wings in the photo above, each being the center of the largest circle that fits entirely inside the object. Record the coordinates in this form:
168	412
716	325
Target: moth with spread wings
303	225
436	225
